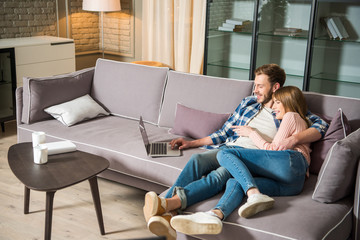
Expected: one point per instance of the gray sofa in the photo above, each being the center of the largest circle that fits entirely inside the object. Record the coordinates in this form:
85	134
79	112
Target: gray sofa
127	91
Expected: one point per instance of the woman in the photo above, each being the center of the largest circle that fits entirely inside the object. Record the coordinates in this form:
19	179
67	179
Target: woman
282	176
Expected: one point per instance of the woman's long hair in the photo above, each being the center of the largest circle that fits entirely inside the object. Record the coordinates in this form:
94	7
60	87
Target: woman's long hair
293	100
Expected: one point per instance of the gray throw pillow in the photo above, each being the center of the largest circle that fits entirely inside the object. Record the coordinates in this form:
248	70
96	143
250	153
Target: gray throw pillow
338	129
40	93
337	176
195	123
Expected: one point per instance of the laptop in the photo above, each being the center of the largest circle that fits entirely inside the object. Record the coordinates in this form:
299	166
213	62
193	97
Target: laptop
157	149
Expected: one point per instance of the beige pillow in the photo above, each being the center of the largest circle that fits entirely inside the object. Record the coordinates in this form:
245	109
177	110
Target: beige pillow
77	110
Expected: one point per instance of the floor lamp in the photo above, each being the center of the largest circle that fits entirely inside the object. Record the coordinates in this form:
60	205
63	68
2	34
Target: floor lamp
102	6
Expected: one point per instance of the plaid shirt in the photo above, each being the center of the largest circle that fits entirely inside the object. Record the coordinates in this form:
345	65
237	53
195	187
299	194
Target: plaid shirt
246	111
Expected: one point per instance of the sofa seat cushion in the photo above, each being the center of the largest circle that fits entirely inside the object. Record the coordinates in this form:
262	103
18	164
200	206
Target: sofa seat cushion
118	140
294	217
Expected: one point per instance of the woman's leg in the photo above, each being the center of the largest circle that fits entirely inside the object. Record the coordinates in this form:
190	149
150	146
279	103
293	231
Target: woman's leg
230	200
287	168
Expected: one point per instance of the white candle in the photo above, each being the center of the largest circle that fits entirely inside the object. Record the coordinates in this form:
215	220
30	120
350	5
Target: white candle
40	154
38	138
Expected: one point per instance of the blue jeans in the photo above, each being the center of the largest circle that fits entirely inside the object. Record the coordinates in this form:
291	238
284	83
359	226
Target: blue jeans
277	173
201	178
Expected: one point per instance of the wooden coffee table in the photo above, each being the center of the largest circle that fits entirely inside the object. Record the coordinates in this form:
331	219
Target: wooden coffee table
61	171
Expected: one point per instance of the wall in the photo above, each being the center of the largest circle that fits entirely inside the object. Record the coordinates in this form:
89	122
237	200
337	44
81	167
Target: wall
24	18
118	29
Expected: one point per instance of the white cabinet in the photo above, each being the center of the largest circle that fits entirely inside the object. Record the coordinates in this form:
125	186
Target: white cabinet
41	56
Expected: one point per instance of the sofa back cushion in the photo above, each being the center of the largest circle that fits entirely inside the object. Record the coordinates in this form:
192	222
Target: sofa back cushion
328	105
210	94
40	93
129	90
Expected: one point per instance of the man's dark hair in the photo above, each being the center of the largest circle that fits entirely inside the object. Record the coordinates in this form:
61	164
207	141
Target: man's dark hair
275	73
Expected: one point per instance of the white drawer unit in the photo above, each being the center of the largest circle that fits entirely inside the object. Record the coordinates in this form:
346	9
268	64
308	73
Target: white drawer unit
41	56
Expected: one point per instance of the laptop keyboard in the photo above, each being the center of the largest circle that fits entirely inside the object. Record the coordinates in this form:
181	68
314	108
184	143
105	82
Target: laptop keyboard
158	148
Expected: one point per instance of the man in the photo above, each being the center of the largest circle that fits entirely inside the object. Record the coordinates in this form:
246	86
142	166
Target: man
191	186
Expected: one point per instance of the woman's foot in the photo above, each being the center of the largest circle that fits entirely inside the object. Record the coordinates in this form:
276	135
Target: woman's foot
154	205
197	223
256	203
160	226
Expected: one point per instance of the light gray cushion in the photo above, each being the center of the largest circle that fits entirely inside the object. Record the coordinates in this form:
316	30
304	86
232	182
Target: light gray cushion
77	110
206	93
129	90
196	124
40	93
337	176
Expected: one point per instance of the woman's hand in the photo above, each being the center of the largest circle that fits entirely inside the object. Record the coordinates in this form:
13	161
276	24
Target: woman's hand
243	131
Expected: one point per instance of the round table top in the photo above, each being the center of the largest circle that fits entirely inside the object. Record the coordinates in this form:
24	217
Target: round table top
61	170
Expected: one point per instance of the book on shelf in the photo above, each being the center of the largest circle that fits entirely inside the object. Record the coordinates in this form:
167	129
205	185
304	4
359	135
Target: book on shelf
339	28
237	21
334	27
330	32
288	31
236	27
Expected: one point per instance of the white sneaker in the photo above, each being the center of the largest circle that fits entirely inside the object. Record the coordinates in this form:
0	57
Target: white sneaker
197	223
256	203
160	226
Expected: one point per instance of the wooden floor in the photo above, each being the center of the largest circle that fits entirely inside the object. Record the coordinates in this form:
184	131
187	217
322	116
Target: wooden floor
74	214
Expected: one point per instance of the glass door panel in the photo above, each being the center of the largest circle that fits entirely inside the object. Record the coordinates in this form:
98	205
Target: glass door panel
283	35
7	84
229	42
335	66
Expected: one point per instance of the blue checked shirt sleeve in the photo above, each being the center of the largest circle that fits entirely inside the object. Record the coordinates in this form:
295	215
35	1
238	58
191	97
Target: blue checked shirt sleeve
226	131
317	123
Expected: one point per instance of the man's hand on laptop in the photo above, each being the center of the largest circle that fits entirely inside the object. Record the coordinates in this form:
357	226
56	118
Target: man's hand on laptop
180	143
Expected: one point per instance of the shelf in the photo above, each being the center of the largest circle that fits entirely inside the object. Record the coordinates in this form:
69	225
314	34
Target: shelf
228	64
326	38
217	33
244	66
337	78
302	35
4	82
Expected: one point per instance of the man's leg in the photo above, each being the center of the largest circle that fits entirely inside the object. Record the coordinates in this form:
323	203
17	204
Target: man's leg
204	188
189	183
211	222
198	166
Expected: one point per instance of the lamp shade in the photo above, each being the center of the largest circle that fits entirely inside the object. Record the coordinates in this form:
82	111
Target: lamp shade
101	5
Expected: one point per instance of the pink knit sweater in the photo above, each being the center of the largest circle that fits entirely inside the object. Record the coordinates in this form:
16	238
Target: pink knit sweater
291	124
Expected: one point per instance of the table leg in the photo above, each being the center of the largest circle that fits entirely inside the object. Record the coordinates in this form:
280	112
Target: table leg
96	198
48	214
26	200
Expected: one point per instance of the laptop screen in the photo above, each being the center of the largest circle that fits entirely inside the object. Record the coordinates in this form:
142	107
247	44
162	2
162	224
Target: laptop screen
144	135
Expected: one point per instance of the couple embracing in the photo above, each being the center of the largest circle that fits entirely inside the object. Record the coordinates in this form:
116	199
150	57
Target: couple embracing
262	150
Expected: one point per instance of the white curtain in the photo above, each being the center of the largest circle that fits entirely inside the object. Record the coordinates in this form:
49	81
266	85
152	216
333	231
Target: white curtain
173	33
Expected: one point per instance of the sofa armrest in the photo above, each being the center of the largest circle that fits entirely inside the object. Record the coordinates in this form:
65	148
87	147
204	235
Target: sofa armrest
40	93
356	211
19	104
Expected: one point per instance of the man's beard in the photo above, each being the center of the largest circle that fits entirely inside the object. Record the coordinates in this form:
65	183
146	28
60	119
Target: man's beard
268	98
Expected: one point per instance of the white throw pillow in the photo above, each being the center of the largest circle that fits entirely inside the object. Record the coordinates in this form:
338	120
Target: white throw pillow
77	110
